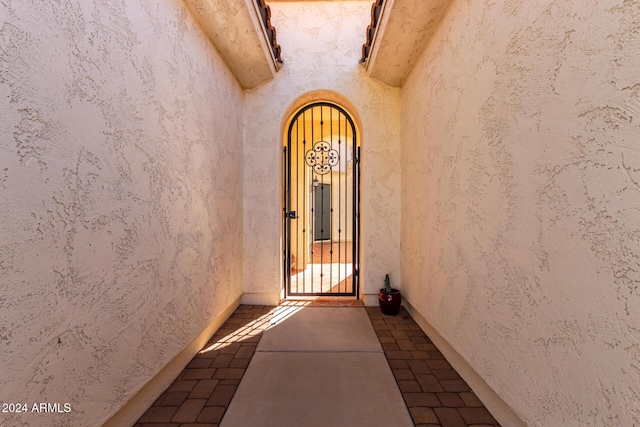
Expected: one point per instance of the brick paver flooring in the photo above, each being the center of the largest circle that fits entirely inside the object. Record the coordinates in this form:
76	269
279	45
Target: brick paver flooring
433	391
201	394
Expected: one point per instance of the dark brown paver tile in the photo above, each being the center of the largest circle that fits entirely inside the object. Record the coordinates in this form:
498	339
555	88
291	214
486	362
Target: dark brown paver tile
446	374
420	355
398	354
253	339
450	400
211	414
477	415
398	364
423	415
429	383
425	347
198	374
189	411
233	374
172	398
406	345
420	339
157	425
403	374
408	386
455	385
450	417
199	362
390	347
240	363
222	395
203	389
436	355
421	399
222	361
245	352
419	366
399	334
182	385
471	400
158	414
230	349
439	364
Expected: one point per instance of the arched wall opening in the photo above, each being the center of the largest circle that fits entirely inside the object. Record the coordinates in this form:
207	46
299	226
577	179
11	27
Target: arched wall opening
320	230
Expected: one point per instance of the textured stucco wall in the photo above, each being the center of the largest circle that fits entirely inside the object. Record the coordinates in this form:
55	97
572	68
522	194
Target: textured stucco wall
321	44
120	170
521	199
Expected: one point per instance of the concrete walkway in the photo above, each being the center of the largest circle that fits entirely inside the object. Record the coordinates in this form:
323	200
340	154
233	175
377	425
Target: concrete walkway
318	366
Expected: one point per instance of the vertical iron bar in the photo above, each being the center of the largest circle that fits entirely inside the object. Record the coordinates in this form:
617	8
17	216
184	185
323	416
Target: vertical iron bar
287	221
297	199
321	206
312	236
339	200
284	220
305	228
356	201
346	205
331	201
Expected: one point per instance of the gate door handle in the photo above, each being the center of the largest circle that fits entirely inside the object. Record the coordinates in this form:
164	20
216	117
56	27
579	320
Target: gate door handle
292	215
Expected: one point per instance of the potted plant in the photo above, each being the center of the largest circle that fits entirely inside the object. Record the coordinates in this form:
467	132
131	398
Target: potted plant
389	298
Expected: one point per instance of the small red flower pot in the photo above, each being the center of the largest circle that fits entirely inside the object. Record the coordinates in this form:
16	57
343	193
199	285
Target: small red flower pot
390	301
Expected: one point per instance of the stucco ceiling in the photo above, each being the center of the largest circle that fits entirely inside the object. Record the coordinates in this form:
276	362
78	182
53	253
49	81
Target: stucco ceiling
235	28
403	31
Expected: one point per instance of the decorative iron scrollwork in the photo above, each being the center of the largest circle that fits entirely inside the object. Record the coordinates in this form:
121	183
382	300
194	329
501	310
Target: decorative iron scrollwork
322	157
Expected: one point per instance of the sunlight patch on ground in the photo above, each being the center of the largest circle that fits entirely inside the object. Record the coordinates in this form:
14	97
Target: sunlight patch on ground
320	277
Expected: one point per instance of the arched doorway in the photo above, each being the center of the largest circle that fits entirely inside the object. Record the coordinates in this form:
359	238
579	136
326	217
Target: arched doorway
321	202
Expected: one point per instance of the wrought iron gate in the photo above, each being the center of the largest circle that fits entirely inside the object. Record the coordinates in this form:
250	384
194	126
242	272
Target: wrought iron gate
321	203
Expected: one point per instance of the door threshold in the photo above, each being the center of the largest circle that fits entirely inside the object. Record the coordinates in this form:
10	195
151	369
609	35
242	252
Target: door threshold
322	301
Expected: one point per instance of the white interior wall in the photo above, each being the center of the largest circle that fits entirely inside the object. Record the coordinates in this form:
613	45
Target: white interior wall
321	43
121	183
520	201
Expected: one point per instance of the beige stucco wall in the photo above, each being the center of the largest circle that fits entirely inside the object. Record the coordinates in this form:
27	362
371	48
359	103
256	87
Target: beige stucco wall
321	44
520	201
120	176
